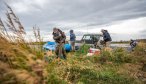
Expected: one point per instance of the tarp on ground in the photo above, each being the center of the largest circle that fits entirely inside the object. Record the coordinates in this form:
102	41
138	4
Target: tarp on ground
52	46
49	46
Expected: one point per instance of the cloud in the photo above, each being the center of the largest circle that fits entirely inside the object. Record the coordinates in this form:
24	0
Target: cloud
81	15
143	33
27	6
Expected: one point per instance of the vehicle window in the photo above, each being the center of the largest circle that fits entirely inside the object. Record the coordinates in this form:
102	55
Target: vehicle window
97	37
87	38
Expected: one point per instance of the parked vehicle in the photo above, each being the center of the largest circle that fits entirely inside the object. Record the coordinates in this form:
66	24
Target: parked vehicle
90	39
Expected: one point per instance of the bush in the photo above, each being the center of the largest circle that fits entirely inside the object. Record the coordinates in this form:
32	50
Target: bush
140	50
119	55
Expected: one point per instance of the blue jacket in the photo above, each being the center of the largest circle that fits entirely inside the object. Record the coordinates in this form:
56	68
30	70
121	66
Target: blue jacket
72	37
106	36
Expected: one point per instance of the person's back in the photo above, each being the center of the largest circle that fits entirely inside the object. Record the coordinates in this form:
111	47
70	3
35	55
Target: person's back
72	39
106	37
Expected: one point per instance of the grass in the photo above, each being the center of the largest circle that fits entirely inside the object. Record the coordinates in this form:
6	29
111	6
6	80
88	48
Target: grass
85	72
83	50
106	68
110	67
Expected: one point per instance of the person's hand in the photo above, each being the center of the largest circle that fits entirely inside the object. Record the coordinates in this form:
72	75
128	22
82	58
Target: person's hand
61	41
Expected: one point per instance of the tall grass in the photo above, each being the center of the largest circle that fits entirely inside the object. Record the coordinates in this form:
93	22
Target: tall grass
39	42
15	26
14	32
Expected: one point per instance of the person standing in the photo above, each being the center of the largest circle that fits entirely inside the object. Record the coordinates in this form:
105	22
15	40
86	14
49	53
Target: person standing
59	38
72	39
106	38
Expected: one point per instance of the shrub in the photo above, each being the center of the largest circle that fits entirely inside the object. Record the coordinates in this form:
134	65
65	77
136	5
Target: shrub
120	55
140	50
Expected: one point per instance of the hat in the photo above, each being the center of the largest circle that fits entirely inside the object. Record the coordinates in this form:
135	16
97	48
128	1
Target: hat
71	30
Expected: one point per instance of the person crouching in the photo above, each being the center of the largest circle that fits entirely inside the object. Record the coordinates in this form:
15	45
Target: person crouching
59	38
106	38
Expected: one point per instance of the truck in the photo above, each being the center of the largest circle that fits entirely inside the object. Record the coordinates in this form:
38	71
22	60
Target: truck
90	39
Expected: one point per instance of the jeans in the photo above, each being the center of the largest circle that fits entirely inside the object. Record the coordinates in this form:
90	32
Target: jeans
60	50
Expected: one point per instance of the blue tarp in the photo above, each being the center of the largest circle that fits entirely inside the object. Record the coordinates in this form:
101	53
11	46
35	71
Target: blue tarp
52	46
49	46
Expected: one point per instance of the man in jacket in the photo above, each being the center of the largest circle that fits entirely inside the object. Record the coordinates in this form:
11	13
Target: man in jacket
59	38
72	39
106	38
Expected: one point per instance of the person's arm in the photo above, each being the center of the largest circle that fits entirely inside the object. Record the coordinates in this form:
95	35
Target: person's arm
63	38
130	43
62	35
56	37
74	36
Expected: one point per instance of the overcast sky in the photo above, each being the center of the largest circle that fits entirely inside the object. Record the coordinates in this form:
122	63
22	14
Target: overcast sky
124	19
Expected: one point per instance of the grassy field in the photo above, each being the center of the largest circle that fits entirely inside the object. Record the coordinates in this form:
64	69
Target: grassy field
110	67
20	64
114	67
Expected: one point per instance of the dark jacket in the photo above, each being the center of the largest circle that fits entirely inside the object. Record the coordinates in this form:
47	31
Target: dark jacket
133	43
59	37
72	37
106	36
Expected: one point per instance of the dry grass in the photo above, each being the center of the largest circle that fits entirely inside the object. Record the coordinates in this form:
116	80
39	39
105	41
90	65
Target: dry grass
15	53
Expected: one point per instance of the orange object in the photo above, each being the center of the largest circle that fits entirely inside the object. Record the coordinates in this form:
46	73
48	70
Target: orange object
97	53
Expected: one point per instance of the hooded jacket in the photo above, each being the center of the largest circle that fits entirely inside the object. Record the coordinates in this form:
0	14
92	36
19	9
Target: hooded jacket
106	36
59	37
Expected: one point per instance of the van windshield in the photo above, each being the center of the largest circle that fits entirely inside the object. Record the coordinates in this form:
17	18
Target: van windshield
86	37
91	37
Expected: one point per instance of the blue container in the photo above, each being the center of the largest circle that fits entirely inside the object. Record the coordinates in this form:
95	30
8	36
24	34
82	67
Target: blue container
67	47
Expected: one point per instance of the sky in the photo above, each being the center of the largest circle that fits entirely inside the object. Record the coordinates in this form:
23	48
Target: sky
124	19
